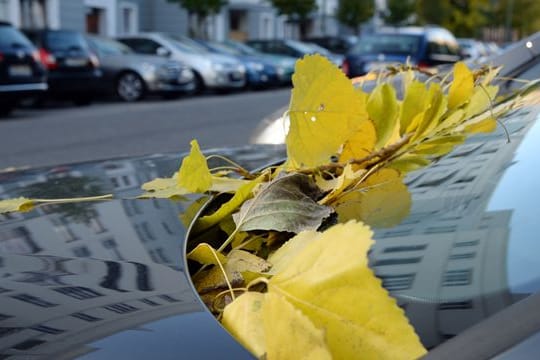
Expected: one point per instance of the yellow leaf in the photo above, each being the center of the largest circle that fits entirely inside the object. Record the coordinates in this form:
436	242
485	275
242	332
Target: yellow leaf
462	86
281	257
408	163
451	121
244	192
383	109
194	174
206	255
382	201
414	103
346	179
243	318
485	126
18	204
160	184
193	210
481	100
289	334
439	146
213	279
226	185
360	144
325	108
242	261
331	283
437	107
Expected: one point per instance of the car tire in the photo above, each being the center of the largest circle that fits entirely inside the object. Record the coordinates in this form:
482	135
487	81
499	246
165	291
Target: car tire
199	85
130	87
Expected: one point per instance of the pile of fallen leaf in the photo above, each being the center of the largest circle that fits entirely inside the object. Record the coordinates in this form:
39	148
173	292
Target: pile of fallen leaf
282	255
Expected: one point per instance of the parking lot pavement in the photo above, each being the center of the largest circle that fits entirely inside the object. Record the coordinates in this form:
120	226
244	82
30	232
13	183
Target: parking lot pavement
60	134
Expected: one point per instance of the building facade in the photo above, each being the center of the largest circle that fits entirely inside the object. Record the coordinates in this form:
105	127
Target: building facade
239	19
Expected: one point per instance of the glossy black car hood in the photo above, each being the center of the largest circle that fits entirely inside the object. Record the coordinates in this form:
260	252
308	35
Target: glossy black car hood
109	279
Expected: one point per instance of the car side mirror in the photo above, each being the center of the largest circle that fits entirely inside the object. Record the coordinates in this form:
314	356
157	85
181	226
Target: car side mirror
161	51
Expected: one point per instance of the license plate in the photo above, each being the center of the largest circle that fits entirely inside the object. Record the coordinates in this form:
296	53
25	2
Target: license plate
76	62
20	70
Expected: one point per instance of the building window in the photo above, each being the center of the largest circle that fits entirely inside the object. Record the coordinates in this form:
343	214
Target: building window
129	18
167	228
78	292
456	305
96	225
4	317
470	255
47	329
147	232
121	308
33	300
404	248
33	14
7	331
4	10
169	298
149	302
28	344
400	261
162	255
457	277
466	243
85	317
114	180
441	229
397	282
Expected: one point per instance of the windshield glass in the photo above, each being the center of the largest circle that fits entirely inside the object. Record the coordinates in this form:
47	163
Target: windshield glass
300	46
187	45
388	44
243	48
224	49
10	37
65	40
110	47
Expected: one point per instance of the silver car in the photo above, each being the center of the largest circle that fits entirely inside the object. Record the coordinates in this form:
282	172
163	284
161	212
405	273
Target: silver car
213	71
131	76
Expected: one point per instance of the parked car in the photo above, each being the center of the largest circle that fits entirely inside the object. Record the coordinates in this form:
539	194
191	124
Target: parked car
336	44
21	73
69	62
471	48
259	72
422	46
131	76
212	71
285	64
110	279
293	48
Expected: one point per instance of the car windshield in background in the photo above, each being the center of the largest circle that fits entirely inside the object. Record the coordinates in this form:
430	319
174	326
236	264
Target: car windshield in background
305	48
9	37
108	47
243	48
387	44
225	49
186	45
64	40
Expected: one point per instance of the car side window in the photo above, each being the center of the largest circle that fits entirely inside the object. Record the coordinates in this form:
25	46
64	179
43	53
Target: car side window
143	46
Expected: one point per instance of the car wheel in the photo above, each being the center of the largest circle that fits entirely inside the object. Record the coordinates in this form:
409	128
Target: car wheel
198	85
130	87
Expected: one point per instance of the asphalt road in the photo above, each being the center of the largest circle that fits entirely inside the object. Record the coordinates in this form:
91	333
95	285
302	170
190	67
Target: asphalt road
62	134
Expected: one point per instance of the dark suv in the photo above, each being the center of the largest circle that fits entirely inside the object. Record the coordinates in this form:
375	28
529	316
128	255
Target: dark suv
21	73
74	70
422	46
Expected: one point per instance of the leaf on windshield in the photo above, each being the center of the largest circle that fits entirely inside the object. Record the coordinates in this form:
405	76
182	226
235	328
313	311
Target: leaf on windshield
462	87
206	255
317	296
361	143
20	204
383	110
325	108
408	163
285	204
194	175
414	103
240	196
382	200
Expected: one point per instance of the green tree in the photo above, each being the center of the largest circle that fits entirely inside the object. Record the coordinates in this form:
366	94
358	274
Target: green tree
354	13
198	12
399	11
522	16
298	11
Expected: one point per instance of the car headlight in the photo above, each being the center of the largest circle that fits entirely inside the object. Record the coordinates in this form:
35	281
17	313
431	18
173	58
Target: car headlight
280	70
256	66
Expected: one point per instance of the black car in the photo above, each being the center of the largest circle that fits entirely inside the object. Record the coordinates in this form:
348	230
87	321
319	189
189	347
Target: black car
70	64
421	46
21	73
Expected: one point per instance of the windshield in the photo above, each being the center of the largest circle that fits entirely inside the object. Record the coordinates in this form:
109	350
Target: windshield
243	48
388	44
186	45
224	49
110	47
300	46
10	37
65	40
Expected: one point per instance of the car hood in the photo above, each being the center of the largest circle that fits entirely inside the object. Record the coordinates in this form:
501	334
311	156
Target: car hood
134	59
109	279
